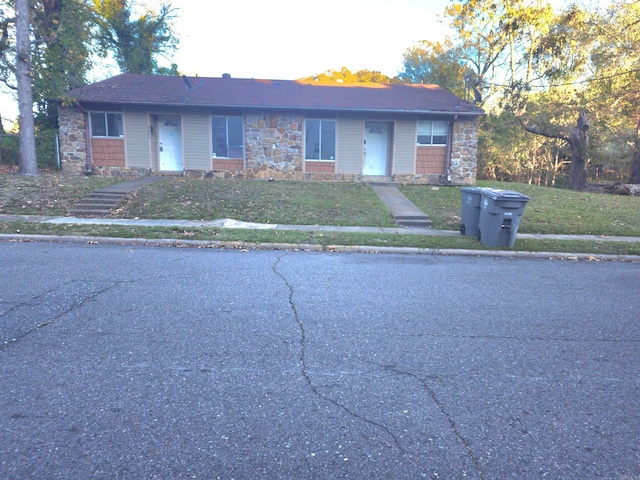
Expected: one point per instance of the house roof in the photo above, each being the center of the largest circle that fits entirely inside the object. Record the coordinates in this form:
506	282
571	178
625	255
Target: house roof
290	94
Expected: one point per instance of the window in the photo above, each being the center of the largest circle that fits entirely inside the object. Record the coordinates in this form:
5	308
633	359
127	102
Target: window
106	124
320	140
433	133
228	137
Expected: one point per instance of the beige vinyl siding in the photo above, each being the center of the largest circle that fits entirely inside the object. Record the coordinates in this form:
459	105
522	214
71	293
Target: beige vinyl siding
405	147
350	138
136	139
196	137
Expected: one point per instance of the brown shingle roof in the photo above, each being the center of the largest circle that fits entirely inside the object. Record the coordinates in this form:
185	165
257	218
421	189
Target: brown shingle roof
289	94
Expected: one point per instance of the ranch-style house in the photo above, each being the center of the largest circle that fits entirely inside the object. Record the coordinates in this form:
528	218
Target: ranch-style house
280	129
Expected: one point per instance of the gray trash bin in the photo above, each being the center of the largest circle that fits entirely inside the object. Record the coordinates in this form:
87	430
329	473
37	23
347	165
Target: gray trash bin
470	210
500	213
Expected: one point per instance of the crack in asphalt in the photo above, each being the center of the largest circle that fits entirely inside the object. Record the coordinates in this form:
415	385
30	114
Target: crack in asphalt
304	370
452	424
83	298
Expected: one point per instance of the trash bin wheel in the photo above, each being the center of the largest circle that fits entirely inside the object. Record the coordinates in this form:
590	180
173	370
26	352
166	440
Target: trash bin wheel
462	228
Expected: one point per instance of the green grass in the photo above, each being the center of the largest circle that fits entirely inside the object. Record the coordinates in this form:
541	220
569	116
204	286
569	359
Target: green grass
550	211
325	239
284	202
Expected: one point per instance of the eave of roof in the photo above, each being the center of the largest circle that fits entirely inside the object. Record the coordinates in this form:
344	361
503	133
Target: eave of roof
149	90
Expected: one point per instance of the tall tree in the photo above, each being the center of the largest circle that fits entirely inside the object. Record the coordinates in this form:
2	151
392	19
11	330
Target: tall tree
60	49
60	53
436	63
559	60
482	40
135	42
548	115
615	87
28	164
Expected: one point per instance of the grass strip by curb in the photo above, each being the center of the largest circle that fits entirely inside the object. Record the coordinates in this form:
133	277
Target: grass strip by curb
320	239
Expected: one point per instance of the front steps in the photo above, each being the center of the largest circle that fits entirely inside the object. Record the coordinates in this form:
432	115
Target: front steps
414	221
98	204
404	212
101	202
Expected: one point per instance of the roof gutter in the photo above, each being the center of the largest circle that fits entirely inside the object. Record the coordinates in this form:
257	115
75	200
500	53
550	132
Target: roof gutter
473	113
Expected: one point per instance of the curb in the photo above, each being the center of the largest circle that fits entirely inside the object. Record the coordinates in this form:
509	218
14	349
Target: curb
176	243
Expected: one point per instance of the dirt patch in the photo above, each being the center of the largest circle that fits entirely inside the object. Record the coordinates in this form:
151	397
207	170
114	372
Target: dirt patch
45	194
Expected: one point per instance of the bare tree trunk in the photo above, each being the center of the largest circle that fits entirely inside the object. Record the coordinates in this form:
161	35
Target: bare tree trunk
579	141
28	161
635	162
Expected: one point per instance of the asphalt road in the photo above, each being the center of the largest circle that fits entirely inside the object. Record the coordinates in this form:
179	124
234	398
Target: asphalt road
121	362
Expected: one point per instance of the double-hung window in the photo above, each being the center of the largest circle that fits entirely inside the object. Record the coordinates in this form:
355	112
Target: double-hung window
432	133
320	140
104	124
228	137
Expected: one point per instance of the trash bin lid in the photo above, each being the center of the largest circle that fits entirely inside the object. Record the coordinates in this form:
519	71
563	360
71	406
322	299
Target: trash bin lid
477	190
497	194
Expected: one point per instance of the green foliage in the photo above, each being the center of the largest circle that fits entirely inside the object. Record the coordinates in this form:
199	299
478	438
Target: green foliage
46	149
581	63
506	152
136	42
435	63
60	56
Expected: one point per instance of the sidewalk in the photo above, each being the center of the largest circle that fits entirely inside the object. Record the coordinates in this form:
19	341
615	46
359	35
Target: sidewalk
411	221
237	224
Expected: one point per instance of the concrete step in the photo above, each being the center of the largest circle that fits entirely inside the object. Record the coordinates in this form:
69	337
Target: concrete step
89	212
97	204
107	196
380	181
420	221
101	201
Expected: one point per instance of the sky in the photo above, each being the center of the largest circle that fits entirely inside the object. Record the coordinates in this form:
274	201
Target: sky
284	40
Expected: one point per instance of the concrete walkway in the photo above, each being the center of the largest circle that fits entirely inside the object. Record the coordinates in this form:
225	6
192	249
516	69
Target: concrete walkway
404	212
100	203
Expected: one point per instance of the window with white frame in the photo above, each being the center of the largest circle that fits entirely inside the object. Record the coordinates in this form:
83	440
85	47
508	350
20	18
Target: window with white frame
433	133
105	124
320	139
227	134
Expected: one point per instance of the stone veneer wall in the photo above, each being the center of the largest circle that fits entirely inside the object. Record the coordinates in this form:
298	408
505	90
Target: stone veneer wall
273	142
73	140
464	151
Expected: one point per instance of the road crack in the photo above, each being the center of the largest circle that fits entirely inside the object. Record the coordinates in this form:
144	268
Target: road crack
452	424
302	358
18	321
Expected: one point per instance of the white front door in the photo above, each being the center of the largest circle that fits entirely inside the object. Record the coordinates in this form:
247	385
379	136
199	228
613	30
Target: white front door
170	143
376	148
